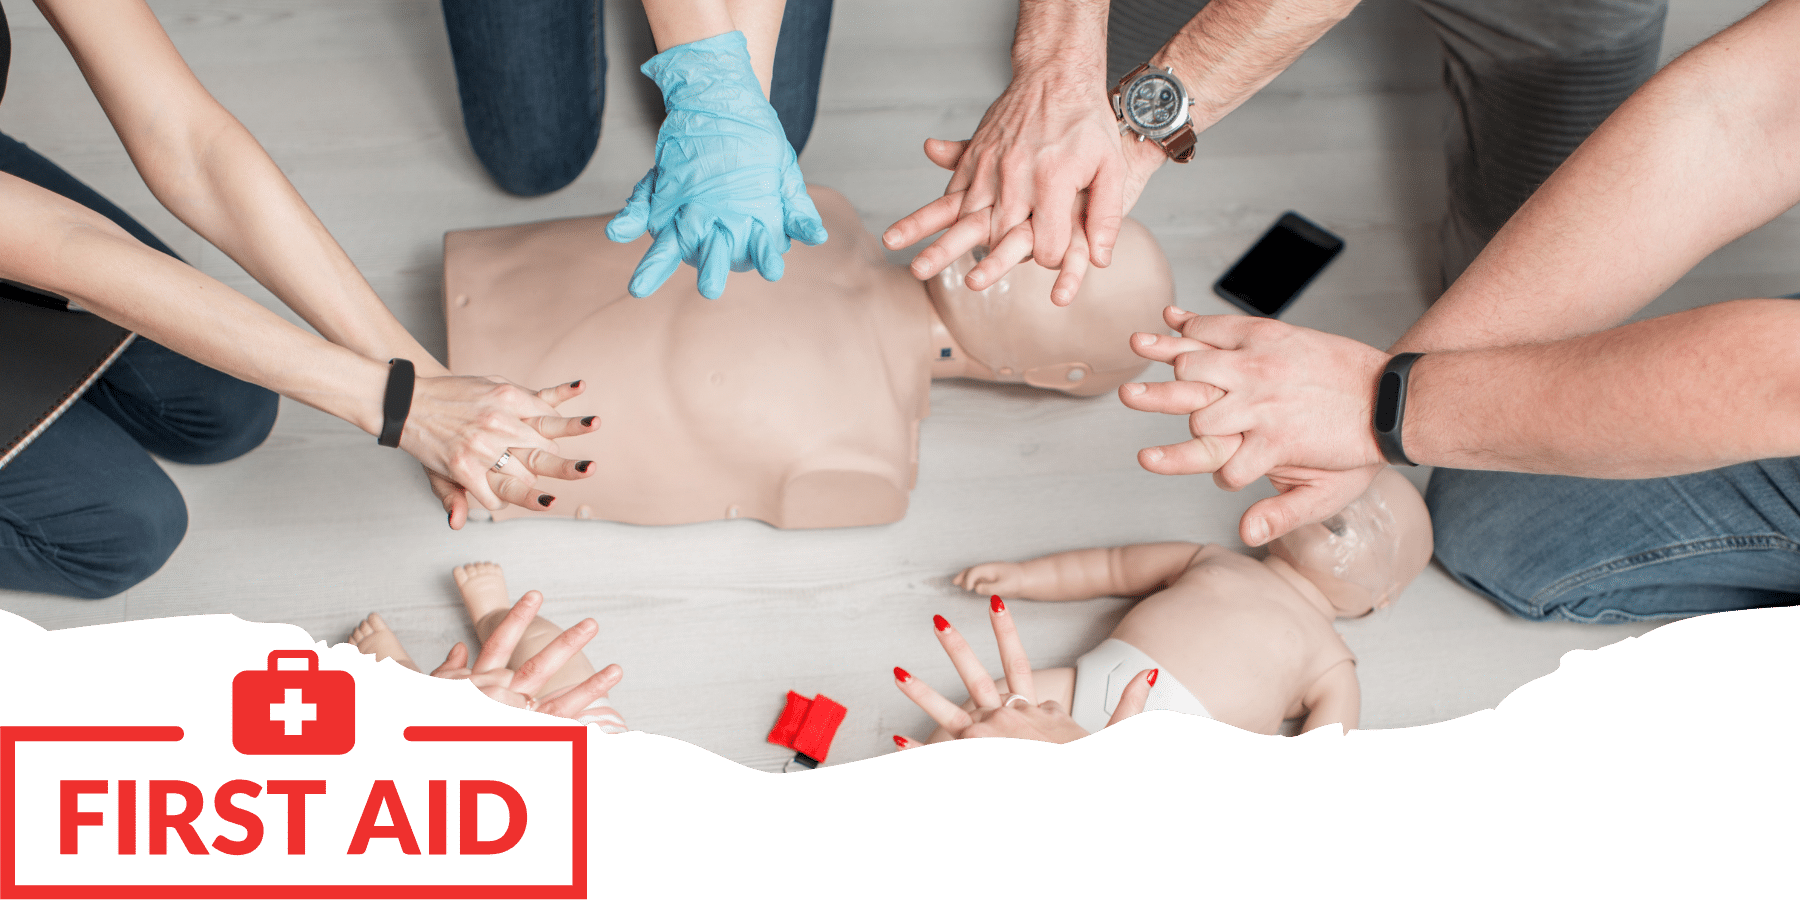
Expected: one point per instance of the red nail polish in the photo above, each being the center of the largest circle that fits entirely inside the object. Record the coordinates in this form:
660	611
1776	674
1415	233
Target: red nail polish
902	675
998	605
900	742
942	623
1153	674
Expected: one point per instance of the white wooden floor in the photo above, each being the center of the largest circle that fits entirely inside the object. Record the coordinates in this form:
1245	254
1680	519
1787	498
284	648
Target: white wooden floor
714	623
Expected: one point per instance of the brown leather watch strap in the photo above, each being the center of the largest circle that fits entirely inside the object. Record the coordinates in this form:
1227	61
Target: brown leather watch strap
1180	145
1134	73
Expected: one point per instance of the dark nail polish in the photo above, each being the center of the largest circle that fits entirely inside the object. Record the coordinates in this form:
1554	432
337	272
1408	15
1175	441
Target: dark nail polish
583	465
942	623
997	604
587	422
545	499
901	674
575	384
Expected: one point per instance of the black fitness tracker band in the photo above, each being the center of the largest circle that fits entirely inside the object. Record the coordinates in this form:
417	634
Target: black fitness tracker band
397	403
1390	407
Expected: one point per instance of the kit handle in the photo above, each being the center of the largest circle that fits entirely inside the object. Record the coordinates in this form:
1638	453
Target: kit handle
312	659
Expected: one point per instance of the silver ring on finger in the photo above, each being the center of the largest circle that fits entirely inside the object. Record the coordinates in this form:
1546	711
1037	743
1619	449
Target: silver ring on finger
1019	701
502	461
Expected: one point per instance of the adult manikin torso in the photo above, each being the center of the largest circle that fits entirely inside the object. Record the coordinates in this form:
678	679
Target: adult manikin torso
794	402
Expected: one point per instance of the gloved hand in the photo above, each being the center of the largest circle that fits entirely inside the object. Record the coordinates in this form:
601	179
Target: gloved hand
725	194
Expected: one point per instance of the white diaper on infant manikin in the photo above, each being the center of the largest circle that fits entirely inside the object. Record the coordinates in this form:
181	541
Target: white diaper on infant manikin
1102	673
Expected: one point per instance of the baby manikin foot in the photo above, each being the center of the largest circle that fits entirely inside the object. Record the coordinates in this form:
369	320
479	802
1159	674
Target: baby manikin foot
373	636
483	588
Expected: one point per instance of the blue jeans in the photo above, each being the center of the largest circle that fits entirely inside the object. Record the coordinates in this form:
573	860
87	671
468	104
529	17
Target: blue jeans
1587	550
531	75
84	510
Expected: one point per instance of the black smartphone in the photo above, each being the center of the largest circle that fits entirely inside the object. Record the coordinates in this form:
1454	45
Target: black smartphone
1279	266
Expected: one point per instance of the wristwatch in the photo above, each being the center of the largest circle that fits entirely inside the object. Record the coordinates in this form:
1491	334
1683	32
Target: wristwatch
1154	103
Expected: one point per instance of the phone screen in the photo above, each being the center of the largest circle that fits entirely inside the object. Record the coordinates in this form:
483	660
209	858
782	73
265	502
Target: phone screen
1273	272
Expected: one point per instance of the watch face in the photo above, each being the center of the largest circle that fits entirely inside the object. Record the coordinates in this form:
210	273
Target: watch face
1154	104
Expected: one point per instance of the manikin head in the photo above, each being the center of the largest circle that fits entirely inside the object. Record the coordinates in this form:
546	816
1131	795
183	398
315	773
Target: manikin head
1363	557
1011	332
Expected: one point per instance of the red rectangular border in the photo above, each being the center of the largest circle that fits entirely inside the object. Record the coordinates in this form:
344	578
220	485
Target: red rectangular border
576	735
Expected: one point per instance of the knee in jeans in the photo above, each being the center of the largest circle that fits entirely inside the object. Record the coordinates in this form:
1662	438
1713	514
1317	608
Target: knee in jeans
526	173
146	526
243	417
534	181
1470	534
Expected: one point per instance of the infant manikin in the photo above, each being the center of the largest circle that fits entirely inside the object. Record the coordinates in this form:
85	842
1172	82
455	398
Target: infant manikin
796	402
1246	641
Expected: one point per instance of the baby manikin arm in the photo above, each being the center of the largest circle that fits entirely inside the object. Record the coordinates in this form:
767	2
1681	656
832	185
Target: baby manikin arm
1129	571
1334	698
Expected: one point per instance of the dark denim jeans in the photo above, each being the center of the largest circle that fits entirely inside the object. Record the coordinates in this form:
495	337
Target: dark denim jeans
84	510
532	78
1587	550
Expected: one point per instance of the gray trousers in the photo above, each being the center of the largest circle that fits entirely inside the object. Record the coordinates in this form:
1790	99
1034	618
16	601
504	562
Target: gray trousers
1528	81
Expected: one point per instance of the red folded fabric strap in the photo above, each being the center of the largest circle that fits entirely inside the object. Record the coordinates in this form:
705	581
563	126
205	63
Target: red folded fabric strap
807	727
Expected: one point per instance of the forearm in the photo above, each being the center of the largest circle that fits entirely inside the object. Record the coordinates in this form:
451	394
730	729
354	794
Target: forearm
60	246
1707	150
1129	571
1232	48
677	22
1061	43
232	194
1692	391
205	167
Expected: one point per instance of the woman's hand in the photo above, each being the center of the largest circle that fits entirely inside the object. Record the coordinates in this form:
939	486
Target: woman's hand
516	688
1015	714
459	427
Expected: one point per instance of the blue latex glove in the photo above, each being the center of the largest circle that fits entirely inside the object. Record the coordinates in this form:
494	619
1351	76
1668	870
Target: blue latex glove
725	194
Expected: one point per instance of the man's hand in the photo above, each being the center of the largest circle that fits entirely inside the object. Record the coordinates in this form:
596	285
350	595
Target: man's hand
1046	139
1051	136
1265	398
968	230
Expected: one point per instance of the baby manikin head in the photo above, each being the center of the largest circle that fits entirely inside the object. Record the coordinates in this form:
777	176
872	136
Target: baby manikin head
1363	557
1011	332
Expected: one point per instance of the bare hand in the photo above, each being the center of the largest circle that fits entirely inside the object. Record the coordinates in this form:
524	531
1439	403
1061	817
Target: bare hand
1016	714
515	688
1265	398
460	426
1045	177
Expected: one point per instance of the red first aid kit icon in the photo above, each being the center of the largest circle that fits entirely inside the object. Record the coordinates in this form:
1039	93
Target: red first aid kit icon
291	711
